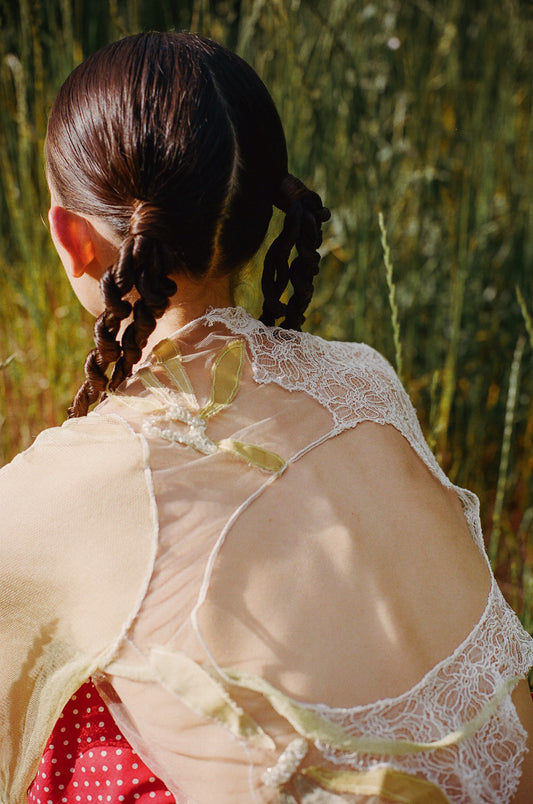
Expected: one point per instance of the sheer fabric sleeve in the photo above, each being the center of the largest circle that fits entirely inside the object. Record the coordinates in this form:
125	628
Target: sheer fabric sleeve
76	549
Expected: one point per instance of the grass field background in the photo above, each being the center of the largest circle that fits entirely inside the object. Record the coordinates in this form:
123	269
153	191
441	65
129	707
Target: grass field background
418	110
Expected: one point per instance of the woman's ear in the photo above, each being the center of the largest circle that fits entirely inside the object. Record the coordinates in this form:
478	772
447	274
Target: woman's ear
74	240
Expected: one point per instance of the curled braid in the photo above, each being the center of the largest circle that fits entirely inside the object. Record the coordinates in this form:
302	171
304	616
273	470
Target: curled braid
143	263
115	283
153	261
304	215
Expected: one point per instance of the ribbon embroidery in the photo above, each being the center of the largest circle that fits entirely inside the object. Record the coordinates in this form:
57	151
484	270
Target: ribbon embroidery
169	409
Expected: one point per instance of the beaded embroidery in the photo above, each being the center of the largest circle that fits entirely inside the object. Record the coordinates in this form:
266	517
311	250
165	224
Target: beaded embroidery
168	409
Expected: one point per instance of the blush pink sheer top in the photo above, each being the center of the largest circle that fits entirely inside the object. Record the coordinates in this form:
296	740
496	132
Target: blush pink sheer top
279	594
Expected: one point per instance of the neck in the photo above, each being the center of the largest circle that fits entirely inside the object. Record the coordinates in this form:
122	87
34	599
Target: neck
190	302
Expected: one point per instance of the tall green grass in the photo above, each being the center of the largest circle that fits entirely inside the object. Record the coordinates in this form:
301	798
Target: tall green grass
421	110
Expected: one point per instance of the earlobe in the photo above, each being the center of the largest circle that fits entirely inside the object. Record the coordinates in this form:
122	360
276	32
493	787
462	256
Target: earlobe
73	240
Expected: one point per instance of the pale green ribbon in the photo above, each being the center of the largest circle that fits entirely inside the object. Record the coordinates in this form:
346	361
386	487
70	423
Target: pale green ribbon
167	405
315	727
199	689
203	690
387	783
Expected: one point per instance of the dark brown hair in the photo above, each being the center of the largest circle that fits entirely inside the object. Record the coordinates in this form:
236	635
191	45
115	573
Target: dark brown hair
175	143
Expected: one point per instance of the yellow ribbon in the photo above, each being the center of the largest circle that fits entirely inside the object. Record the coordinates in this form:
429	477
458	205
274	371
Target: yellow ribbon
168	355
225	379
388	783
315	727
226	376
197	688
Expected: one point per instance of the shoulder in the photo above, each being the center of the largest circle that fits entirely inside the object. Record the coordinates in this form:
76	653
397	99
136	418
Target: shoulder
75	433
352	380
74	471
79	525
357	384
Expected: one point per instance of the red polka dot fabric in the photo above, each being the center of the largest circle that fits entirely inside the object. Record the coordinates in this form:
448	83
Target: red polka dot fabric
88	760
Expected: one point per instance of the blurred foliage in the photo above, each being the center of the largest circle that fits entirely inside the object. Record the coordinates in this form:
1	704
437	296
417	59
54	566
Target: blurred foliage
419	109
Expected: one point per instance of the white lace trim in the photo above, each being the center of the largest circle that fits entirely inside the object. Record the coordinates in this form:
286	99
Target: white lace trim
355	383
351	380
449	695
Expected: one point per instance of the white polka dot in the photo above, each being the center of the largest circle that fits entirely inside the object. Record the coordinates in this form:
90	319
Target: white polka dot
46	789
135	781
118	752
69	756
104	753
88	695
118	736
97	783
54	760
101	724
88	710
151	779
89	739
75	783
86	783
121	798
76	725
102	739
78	798
135	765
104	767
137	795
75	711
101	709
74	697
119	767
152	795
120	782
83	768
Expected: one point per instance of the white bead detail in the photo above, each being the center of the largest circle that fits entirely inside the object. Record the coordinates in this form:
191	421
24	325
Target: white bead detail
287	764
194	434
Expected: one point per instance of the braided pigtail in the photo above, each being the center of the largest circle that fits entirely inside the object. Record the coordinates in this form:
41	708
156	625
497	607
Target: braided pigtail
115	284
304	215
153	261
143	264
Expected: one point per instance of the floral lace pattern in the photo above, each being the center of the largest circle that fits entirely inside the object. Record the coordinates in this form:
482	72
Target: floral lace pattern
443	700
354	383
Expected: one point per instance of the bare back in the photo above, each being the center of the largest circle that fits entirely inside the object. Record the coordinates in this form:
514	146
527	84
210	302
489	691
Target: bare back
315	560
